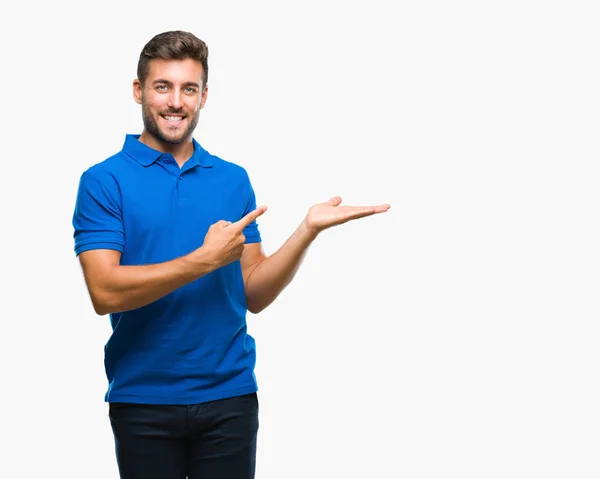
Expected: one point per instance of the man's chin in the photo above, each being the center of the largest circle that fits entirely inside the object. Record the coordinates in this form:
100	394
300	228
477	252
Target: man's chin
173	138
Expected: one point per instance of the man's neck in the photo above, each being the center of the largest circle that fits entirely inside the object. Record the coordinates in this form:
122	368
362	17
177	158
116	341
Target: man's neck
180	151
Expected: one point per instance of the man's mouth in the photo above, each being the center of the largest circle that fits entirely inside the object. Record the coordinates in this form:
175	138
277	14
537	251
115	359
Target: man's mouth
173	120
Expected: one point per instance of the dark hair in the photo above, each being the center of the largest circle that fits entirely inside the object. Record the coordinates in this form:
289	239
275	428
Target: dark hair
174	45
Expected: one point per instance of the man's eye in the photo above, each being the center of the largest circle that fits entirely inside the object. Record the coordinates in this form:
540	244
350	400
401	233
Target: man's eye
190	89
161	87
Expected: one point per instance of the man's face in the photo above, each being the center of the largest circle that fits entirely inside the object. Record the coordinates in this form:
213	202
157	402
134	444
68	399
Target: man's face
171	99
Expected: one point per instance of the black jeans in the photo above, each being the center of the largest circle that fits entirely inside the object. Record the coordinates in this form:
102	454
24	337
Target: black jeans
212	440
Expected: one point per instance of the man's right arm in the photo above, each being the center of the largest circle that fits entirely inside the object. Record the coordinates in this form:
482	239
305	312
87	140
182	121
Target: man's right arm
99	240
115	288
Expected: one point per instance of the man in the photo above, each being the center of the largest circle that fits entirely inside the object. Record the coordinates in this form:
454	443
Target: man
167	238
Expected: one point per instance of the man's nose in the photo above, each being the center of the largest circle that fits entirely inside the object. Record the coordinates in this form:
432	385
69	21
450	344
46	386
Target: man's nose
175	100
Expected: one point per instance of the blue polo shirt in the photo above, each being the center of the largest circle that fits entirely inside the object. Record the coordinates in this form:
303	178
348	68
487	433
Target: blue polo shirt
192	345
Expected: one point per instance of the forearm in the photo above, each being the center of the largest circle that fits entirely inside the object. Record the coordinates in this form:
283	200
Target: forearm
270	277
124	288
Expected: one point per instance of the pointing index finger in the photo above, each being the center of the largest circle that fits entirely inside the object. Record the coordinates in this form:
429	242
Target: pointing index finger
250	217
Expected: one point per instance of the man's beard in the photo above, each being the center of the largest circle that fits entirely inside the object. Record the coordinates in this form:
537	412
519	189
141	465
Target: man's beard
152	126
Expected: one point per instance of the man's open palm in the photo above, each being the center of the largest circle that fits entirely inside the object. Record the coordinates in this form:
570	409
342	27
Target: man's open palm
324	215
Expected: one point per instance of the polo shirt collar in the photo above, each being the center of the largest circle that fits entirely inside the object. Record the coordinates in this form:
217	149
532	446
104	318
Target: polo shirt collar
145	155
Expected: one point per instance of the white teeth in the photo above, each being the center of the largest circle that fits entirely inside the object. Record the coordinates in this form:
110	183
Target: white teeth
173	118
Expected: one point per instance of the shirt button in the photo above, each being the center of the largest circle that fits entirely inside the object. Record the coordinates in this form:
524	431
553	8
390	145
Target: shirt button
167	161
181	177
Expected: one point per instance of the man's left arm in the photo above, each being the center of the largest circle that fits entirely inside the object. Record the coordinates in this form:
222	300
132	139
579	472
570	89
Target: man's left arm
266	277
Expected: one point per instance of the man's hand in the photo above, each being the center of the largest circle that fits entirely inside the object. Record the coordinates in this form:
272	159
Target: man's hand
325	215
224	241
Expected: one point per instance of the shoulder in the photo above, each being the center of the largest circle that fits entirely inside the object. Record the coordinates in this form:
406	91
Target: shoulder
104	176
226	167
231	168
111	167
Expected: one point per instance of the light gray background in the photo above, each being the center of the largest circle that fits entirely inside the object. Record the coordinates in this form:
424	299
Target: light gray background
454	336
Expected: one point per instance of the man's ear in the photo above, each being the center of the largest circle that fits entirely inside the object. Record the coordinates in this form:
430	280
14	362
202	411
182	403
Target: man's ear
204	97
137	91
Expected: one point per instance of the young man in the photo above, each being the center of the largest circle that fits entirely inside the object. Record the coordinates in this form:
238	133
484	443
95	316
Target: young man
167	237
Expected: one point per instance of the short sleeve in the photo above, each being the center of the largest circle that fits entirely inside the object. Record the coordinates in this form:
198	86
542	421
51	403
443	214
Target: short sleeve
251	231
97	220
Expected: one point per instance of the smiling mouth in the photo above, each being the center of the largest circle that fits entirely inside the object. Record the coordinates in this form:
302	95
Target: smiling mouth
173	120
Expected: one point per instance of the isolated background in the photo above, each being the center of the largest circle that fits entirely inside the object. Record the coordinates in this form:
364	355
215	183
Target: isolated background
454	336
